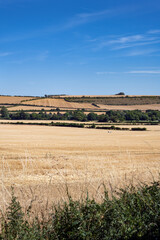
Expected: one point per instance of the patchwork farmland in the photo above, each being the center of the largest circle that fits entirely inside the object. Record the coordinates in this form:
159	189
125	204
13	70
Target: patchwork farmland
33	157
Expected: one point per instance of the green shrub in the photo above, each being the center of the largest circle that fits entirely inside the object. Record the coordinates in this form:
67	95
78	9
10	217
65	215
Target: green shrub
112	128
131	214
62	124
92	126
138	129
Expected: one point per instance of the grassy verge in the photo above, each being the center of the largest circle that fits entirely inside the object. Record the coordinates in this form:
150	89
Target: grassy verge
131	213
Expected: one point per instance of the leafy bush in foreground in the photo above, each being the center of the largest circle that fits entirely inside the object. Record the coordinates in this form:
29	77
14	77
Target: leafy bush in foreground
134	214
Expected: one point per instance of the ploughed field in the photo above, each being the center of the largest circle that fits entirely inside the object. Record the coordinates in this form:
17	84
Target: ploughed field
46	158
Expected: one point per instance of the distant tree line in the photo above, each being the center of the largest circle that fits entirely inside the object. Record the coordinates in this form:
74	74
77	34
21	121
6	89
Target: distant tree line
80	115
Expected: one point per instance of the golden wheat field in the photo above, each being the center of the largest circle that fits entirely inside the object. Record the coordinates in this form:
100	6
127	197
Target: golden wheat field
47	158
70	106
59	103
13	99
31	108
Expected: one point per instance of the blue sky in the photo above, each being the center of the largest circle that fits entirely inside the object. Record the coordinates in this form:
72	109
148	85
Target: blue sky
79	47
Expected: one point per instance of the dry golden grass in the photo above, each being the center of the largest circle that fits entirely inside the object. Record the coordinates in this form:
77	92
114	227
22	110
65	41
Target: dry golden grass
13	100
85	105
17	108
40	160
31	108
61	103
7	106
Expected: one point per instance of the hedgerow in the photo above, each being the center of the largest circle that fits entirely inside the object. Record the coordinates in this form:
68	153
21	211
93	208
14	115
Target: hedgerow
133	213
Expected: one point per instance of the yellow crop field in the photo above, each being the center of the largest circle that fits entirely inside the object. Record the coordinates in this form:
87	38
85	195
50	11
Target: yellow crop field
28	108
63	105
47	158
13	100
59	103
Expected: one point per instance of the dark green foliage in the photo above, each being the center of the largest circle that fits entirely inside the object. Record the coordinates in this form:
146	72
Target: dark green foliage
14	226
58	124
138	129
135	115
4	113
112	128
92	126
120	93
14	218
79	115
131	214
95	105
92	116
67	124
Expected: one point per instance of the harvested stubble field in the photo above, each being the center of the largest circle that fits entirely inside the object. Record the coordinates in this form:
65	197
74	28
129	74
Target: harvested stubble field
13	99
61	103
94	103
40	160
21	107
89	107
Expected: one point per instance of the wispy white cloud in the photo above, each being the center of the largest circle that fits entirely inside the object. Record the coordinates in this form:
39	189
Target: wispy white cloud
42	56
127	39
142	52
75	21
86	17
132	45
144	72
131	72
5	54
136	44
104	73
154	31
130	41
94	14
